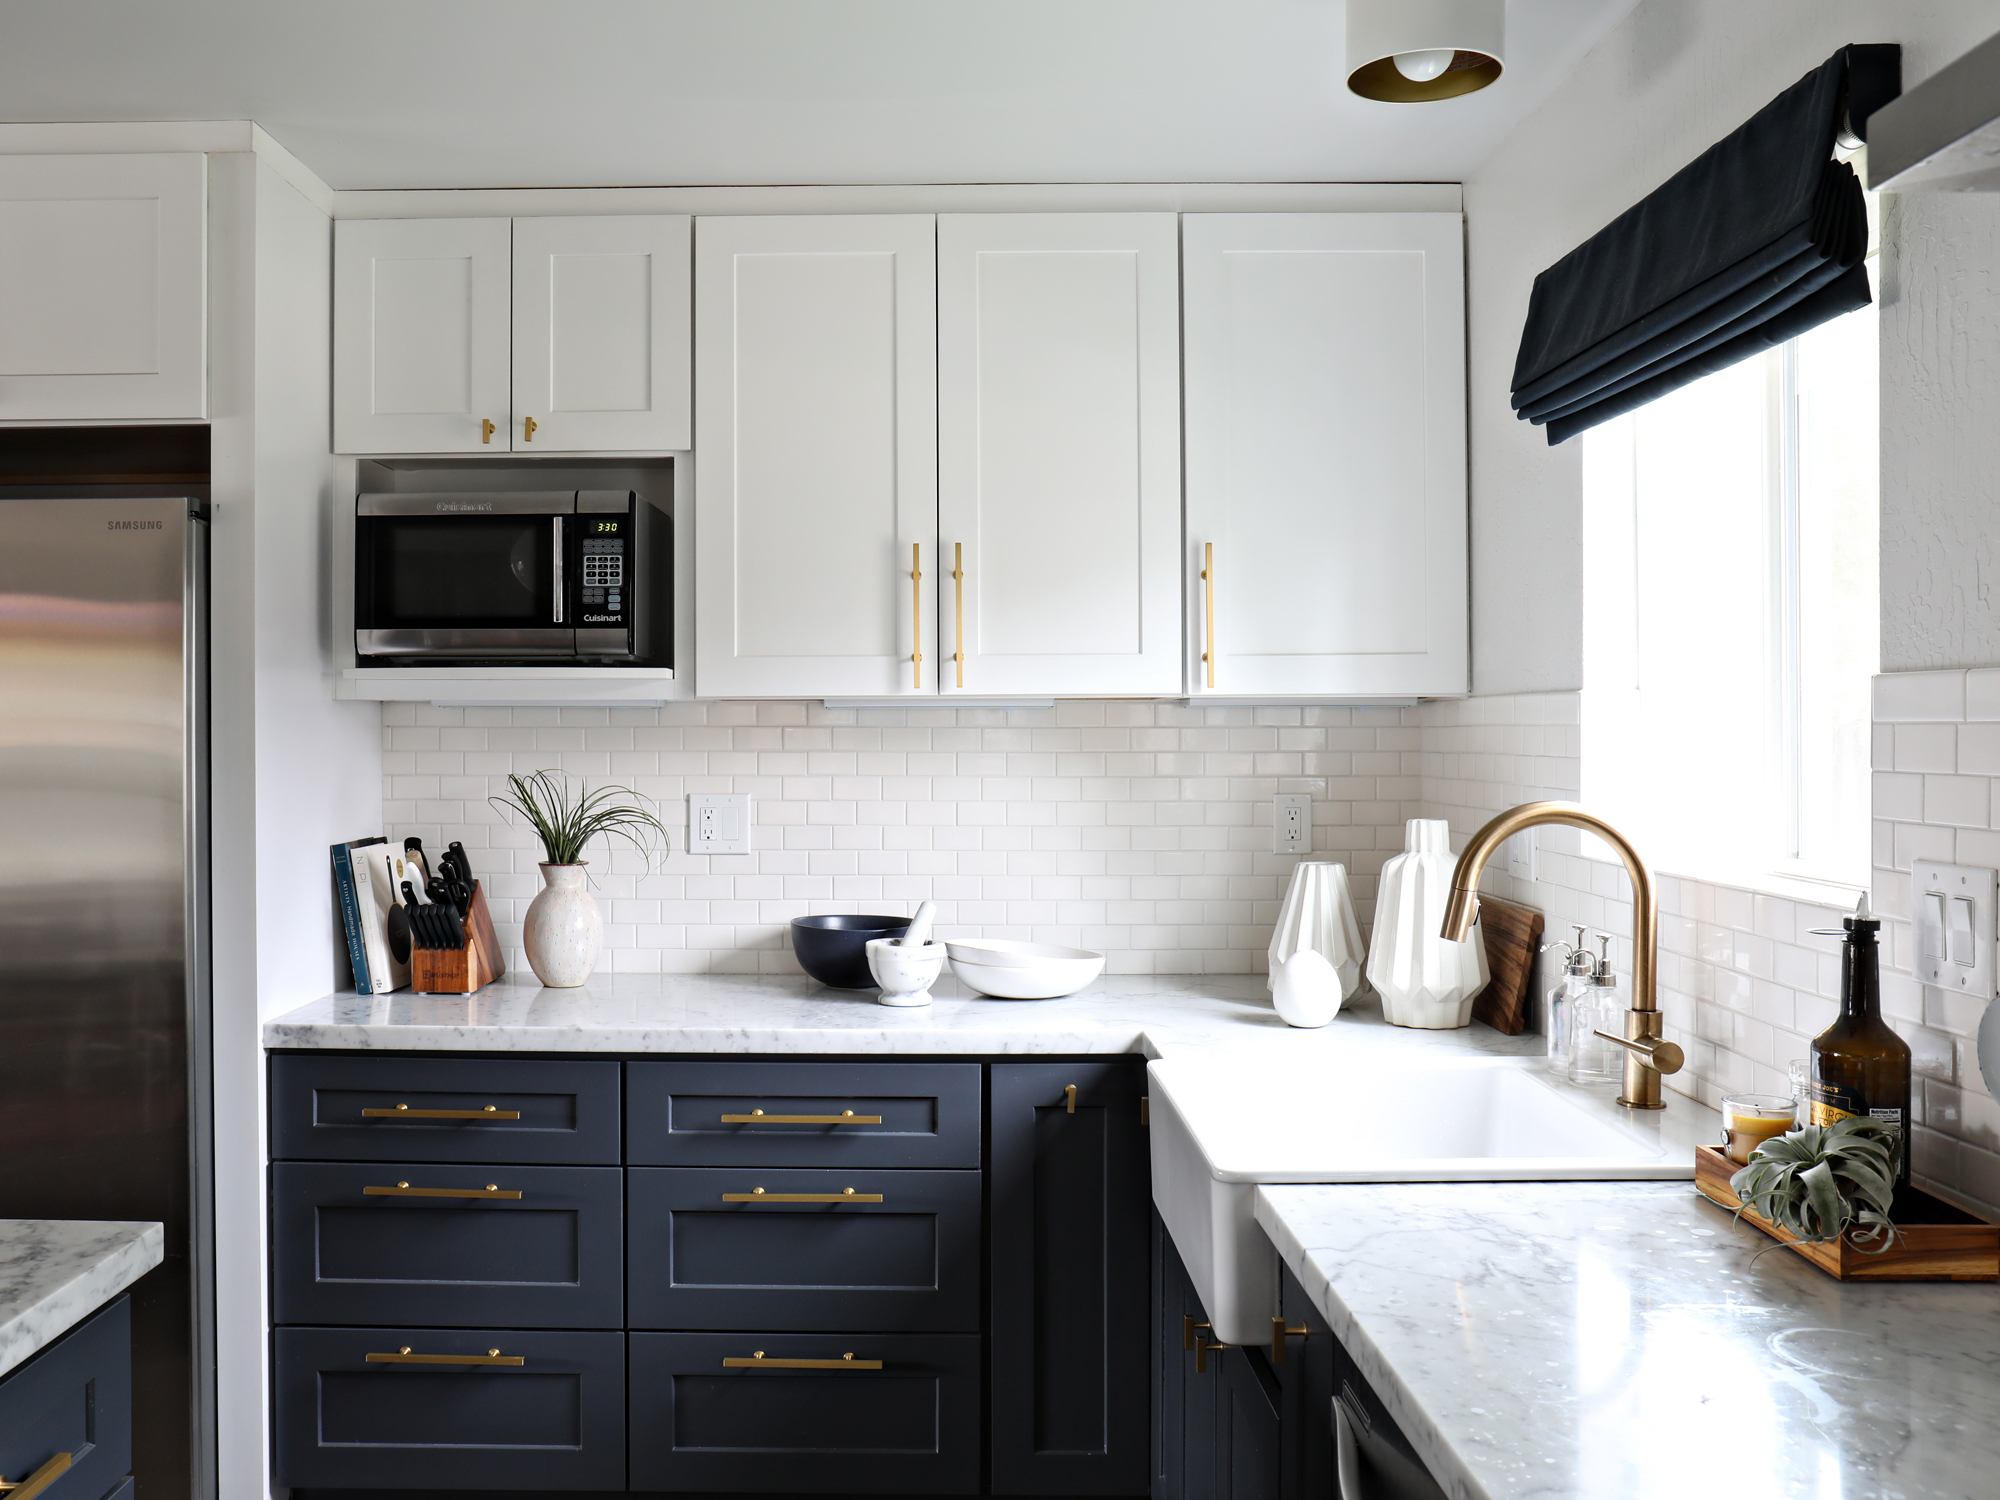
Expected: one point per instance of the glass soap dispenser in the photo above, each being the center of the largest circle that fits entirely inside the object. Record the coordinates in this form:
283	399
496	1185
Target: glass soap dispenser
1593	1061
1563	997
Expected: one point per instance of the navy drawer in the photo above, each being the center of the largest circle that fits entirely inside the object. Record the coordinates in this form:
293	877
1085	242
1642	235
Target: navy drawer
926	1114
567	1111
554	1421
551	1258
73	1397
909	1263
910	1427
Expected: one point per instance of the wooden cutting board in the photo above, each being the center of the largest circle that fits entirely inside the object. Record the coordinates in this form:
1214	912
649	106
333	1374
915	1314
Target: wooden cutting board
1513	938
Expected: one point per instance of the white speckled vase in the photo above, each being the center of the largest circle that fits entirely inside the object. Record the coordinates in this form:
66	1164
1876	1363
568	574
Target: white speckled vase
564	929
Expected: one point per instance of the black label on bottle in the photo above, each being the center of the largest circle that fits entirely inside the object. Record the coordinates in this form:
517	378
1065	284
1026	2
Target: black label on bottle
1830	1102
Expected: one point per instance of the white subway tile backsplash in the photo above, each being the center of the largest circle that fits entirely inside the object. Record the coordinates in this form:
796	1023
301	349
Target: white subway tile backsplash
1923	697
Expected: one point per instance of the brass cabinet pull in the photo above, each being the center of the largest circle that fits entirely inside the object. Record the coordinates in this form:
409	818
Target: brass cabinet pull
528	426
404	1190
1069	1097
403	1357
958	578
757	1361
845	1117
916	615
1279	1333
404	1112
41	1479
1208	607
845	1195
1202	1348
486	429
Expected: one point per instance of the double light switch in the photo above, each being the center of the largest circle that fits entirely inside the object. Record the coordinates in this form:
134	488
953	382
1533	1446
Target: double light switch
1955	926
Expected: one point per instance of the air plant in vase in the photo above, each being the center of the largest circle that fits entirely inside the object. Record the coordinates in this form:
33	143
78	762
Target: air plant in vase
564	930
1824	1181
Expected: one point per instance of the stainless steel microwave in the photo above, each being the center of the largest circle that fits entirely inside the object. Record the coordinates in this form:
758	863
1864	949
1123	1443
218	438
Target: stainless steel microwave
509	579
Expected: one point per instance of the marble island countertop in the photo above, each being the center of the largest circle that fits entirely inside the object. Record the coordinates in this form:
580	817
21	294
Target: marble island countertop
1614	1341
54	1273
1153	1015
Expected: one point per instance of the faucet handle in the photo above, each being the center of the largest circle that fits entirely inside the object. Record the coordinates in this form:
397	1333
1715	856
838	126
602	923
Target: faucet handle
1657	1053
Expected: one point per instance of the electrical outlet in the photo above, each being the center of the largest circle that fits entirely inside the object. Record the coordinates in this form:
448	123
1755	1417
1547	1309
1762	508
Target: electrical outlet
1521	855
1292	823
1953	908
718	822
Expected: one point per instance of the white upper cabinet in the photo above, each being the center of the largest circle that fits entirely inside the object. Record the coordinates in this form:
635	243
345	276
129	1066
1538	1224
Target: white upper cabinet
816	426
601	357
102	273
511	335
1059	483
420	335
1325	410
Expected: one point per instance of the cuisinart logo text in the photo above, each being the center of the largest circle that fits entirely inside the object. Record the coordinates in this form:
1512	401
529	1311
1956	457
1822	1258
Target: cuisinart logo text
465	505
135	525
601	619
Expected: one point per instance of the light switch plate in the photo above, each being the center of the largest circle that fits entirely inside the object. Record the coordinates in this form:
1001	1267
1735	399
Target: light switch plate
1292	823
1952	908
718	822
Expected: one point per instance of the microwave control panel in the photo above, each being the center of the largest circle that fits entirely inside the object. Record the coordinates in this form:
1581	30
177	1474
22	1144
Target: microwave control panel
605	552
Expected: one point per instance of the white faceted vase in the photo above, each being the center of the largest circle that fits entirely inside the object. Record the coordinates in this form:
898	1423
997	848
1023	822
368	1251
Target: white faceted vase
564	929
1315	952
1423	979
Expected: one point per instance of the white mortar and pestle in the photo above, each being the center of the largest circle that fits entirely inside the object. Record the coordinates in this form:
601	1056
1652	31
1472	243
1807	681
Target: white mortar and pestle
905	967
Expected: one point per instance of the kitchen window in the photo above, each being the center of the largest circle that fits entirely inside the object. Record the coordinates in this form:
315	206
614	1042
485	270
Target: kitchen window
1731	618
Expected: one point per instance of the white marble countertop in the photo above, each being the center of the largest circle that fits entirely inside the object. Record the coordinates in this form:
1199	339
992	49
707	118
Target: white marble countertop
54	1273
1614	1340
1148	1014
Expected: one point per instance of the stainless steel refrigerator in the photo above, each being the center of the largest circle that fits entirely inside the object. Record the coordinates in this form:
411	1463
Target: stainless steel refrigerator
104	995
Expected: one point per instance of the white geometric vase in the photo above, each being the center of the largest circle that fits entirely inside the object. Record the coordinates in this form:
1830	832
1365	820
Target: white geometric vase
1423	979
564	929
1315	952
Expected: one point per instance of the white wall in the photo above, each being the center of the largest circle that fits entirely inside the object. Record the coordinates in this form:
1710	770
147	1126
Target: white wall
1673	78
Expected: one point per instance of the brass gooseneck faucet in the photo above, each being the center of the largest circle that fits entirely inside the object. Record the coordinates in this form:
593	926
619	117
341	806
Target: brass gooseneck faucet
1647	1054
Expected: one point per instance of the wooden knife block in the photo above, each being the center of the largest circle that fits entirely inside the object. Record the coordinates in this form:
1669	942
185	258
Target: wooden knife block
460	971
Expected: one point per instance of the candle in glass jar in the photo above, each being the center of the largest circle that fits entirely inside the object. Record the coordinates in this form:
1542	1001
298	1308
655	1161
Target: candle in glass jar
1752	1119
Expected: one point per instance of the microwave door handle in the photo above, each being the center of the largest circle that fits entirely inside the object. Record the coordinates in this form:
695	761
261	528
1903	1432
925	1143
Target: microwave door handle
556	551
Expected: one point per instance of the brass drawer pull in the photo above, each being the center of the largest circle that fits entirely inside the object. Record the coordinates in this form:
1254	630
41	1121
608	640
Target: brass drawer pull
403	1357
404	1112
845	1195
917	614
404	1190
1208	609
1280	1331
1201	1346
758	1362
845	1117
49	1473
1069	1096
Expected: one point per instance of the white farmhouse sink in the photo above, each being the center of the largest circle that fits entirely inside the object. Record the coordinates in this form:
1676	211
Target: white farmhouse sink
1218	1129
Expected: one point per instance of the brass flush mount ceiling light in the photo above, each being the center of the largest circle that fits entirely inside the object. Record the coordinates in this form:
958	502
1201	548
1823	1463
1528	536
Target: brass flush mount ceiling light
1413	51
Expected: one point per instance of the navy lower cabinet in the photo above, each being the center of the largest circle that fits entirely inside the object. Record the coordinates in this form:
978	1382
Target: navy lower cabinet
440	1246
1306	1376
806	1414
1219	1411
740	1247
417	1408
68	1410
1070	1209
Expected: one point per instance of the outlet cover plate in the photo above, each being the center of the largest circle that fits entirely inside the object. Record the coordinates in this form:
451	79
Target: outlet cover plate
718	823
1521	855
1953	942
1292	823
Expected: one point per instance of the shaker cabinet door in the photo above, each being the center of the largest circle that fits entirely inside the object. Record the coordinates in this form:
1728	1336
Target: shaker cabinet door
1325	402
1059	462
420	335
103	272
816	495
601	333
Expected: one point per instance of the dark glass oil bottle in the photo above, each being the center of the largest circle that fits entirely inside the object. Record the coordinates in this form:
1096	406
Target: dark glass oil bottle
1859	1065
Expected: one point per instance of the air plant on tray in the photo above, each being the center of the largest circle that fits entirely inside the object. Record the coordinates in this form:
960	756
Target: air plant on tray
1825	1181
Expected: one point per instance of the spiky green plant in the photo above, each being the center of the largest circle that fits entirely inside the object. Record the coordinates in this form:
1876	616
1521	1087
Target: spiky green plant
565	820
1823	1181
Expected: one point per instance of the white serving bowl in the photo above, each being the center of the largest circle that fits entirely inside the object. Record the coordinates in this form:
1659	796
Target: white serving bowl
1042	972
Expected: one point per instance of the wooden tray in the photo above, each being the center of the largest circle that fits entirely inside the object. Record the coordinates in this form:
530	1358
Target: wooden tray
460	971
1938	1243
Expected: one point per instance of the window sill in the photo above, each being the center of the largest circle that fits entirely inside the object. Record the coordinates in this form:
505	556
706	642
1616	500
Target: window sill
1834	895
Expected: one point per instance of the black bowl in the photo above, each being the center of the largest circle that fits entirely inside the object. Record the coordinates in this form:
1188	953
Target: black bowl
834	948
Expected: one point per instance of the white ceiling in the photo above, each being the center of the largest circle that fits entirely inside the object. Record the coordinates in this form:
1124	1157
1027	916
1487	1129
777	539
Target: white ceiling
517	93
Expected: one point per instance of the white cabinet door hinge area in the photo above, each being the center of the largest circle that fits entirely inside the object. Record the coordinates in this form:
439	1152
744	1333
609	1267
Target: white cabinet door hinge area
420	335
103	271
1059	483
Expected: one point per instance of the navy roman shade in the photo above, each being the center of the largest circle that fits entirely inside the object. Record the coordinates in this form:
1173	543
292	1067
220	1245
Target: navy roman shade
1758	239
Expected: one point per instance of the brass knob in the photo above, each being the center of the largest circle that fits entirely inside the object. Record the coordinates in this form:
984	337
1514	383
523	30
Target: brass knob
756	1353
493	1109
404	1350
756	1111
493	1353
402	1184
492	1187
758	1191
402	1106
